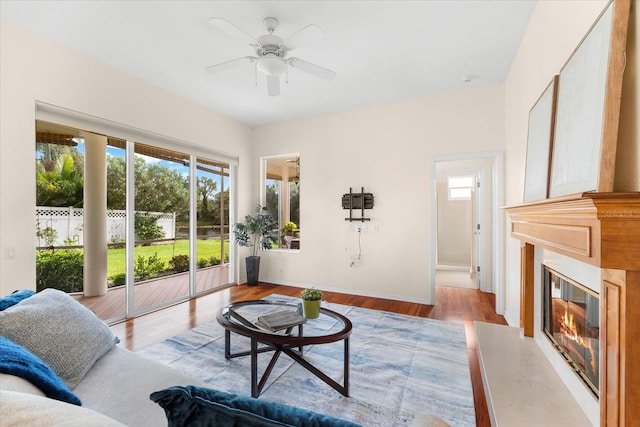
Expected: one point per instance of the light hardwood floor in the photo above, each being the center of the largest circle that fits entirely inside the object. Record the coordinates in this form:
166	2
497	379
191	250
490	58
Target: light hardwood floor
452	304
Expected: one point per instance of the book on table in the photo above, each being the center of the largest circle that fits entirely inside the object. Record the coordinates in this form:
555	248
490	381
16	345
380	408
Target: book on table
280	320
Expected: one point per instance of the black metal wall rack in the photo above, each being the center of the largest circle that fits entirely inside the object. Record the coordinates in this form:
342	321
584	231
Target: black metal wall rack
357	202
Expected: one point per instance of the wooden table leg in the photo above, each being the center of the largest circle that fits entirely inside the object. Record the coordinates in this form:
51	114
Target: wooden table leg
346	366
254	368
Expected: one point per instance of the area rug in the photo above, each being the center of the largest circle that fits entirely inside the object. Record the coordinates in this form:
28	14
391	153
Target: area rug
401	366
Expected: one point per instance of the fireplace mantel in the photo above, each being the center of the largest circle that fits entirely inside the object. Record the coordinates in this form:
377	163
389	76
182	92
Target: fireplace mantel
601	229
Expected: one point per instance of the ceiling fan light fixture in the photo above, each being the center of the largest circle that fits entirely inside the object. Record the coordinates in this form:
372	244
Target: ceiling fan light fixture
271	53
271	65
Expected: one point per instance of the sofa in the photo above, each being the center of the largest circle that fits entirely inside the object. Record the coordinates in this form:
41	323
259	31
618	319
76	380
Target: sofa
117	386
62	365
112	383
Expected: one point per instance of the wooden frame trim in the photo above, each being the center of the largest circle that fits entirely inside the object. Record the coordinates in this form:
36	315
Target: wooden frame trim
567	239
527	284
613	94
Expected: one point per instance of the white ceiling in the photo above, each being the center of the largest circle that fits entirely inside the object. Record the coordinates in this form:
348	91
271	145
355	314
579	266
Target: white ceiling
381	50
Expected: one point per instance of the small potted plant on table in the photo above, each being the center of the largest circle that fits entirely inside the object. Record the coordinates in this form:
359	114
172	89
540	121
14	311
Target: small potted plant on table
311	299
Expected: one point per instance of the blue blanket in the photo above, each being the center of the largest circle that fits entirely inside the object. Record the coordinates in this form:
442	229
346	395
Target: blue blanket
14	298
17	360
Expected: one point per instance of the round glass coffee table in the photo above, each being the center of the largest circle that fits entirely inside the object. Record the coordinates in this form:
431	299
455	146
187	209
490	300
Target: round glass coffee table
242	318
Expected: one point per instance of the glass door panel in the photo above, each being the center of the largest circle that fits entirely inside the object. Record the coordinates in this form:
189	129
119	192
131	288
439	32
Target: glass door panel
59	209
62	156
212	248
161	255
116	229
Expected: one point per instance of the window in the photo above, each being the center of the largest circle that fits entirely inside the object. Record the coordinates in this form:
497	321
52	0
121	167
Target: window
282	197
460	187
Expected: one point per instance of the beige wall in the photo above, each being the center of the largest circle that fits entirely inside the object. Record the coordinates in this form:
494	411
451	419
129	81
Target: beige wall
555	30
35	69
387	149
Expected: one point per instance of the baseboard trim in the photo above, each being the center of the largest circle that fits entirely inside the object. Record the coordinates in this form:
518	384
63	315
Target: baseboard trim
454	268
350	291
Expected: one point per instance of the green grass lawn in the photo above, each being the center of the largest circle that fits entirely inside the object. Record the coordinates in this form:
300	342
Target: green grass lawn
205	249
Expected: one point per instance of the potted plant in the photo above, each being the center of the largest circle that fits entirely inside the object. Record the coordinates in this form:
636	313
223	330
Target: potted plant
255	232
289	228
311	299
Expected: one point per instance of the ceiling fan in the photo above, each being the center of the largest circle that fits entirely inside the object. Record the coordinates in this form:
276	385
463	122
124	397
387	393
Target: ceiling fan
271	52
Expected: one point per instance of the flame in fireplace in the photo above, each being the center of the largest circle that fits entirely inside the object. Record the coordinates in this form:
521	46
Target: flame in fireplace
569	328
571	321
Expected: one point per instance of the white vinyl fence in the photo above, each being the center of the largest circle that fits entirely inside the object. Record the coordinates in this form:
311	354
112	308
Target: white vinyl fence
68	224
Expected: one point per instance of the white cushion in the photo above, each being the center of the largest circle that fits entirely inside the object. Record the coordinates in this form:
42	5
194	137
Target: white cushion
23	409
13	383
119	385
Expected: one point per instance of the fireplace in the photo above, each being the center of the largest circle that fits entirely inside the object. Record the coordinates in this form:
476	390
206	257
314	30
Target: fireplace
601	230
571	320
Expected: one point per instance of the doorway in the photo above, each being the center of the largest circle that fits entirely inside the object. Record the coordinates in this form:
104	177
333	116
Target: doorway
458	227
466	223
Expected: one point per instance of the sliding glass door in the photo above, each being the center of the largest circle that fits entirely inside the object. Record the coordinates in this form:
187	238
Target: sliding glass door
166	214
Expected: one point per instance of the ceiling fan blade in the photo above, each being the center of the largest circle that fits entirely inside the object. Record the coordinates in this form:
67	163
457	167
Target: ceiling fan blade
223	66
227	27
273	85
305	35
308	67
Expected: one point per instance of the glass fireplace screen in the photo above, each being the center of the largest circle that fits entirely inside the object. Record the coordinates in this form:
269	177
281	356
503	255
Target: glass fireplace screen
571	320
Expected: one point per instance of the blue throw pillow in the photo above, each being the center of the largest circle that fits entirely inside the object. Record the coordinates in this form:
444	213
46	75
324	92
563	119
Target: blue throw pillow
17	360
203	407
14	298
